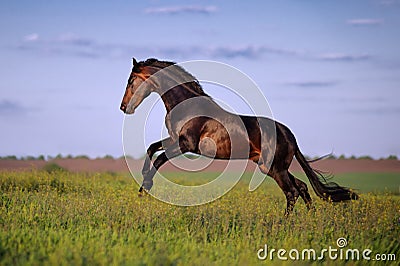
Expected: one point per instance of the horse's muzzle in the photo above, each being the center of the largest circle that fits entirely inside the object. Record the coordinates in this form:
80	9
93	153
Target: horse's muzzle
123	107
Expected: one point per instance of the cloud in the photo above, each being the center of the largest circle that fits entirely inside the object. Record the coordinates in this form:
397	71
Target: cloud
313	84
70	38
245	51
365	22
174	10
232	51
31	37
72	45
8	107
250	51
376	110
389	2
67	44
339	57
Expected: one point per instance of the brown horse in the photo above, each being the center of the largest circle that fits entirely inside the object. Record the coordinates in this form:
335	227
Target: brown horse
199	125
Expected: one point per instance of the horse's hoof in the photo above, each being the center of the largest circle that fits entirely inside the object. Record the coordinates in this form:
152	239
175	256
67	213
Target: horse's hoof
147	185
143	192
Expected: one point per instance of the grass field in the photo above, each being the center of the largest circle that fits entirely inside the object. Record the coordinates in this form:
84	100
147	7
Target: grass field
97	219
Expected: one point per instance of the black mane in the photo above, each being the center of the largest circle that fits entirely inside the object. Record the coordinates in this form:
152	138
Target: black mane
194	85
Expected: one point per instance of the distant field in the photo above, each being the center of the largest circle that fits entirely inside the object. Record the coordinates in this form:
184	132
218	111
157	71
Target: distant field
335	166
371	182
53	218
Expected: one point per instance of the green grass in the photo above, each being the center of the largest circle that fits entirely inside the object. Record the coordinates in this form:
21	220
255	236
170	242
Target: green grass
367	182
372	182
377	183
57	217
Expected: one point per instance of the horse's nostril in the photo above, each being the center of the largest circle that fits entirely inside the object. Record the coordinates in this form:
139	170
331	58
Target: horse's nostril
123	108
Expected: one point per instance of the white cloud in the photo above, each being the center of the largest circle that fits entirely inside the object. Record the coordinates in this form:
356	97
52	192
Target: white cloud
389	2
313	84
343	57
77	46
65	45
365	22
9	107
31	37
73	45
74	39
173	10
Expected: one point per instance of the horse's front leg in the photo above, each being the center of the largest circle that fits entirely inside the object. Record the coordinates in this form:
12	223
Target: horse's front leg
153	148
169	153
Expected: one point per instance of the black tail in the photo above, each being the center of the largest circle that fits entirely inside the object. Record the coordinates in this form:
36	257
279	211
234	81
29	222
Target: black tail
329	191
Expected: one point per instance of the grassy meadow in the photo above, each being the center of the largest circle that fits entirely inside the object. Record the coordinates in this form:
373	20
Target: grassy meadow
63	218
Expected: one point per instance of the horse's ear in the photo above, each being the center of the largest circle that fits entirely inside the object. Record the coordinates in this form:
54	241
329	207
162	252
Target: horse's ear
134	62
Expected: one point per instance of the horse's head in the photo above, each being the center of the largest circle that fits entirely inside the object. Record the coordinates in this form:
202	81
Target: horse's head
138	88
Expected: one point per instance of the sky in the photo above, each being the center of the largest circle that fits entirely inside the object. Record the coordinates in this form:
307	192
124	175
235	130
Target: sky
330	69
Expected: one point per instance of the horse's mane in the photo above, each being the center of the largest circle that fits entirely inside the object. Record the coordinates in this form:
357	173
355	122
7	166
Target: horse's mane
182	73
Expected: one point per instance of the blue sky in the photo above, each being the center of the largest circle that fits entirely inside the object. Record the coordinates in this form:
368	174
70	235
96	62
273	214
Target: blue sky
329	69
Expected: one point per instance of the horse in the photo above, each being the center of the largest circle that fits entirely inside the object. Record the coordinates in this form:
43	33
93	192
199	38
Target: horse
222	135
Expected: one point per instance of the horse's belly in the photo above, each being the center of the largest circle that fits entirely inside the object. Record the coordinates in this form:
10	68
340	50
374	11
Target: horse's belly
224	147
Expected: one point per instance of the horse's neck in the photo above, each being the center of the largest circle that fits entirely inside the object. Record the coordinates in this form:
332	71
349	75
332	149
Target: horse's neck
175	96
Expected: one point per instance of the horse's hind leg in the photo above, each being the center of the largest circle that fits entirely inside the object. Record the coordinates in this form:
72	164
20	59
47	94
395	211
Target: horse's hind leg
302	189
288	188
285	183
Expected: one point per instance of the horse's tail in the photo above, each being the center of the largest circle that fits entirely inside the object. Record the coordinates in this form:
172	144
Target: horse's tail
329	191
